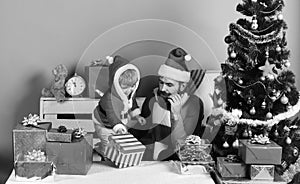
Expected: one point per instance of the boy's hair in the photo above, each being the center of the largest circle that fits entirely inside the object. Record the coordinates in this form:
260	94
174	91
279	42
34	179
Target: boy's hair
128	77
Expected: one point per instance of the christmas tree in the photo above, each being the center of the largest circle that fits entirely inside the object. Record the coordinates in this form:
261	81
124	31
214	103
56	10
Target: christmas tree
255	95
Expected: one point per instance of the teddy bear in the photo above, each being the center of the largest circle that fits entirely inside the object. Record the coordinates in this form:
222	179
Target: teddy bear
57	87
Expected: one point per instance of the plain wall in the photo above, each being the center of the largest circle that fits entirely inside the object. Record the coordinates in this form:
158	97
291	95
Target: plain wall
37	35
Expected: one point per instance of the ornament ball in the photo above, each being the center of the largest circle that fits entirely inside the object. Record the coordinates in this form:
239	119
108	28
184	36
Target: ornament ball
252	111
232	54
280	16
269	115
254	26
284	99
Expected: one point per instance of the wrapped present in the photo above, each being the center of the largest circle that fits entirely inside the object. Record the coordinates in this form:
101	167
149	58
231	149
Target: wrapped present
73	158
34	165
194	151
260	153
262	172
97	78
30	136
231	167
60	134
188	169
124	150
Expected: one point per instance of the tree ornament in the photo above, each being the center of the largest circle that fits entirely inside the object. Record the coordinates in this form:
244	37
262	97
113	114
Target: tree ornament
220	101
263	105
235	144
273	98
288	89
252	111
276	134
287	64
228	39
268	70
226	145
280	16
249	101
233	54
284	100
262	78
230	76
269	115
240	81
288	140
250	132
278	48
245	133
254	24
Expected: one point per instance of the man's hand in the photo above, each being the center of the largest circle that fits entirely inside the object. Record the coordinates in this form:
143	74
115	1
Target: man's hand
176	102
141	120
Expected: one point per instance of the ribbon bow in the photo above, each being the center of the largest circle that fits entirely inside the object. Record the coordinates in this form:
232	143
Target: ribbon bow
78	133
32	120
232	158
261	139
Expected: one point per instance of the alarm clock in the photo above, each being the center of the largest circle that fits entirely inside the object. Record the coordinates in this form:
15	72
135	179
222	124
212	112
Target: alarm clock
75	86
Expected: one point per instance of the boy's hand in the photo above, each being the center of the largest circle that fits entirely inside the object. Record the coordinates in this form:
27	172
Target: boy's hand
141	120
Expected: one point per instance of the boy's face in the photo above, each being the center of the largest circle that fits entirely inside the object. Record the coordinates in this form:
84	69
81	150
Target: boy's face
127	90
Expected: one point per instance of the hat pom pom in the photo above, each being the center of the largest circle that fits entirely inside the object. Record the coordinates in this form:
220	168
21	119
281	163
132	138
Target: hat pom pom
187	57
110	59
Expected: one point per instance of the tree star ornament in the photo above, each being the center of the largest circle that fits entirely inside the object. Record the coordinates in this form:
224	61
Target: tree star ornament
268	69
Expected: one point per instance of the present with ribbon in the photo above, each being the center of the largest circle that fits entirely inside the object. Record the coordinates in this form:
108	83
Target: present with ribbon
124	150
231	167
60	134
262	172
34	165
194	150
72	158
260	153
30	135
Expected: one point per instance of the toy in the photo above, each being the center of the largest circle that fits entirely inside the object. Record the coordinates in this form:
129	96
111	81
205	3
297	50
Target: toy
57	88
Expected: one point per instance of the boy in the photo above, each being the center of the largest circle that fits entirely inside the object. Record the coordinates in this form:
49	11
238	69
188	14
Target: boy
118	105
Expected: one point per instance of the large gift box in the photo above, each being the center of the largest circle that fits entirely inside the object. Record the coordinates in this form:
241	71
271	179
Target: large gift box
72	158
97	78
28	138
124	150
252	153
231	168
29	169
262	172
55	135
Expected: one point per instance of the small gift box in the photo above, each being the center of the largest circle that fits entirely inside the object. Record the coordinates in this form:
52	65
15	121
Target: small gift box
30	135
262	172
252	153
124	150
187	169
231	167
97	78
72	158
34	165
60	134
194	151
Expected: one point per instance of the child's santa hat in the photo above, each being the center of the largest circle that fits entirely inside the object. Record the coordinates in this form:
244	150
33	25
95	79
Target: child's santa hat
175	67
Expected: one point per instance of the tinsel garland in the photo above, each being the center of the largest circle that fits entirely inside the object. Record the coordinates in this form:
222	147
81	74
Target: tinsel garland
254	39
235	117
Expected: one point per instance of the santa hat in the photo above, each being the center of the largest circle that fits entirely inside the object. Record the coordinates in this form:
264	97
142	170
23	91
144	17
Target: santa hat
175	66
115	63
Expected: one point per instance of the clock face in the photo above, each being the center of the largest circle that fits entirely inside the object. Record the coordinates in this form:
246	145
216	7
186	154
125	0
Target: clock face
75	86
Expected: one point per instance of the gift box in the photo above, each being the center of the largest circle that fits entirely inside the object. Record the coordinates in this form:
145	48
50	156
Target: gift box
73	158
262	172
97	78
260	154
53	135
124	150
228	168
32	170
188	169
28	138
194	153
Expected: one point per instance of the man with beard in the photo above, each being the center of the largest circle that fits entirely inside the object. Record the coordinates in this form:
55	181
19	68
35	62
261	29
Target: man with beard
172	113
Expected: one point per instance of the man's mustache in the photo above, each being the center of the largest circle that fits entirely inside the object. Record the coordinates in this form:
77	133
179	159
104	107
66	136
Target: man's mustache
163	93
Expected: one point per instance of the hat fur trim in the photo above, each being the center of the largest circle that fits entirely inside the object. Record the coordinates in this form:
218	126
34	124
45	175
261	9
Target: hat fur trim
173	73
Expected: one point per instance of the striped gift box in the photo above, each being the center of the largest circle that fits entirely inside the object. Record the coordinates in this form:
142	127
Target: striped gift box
124	150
